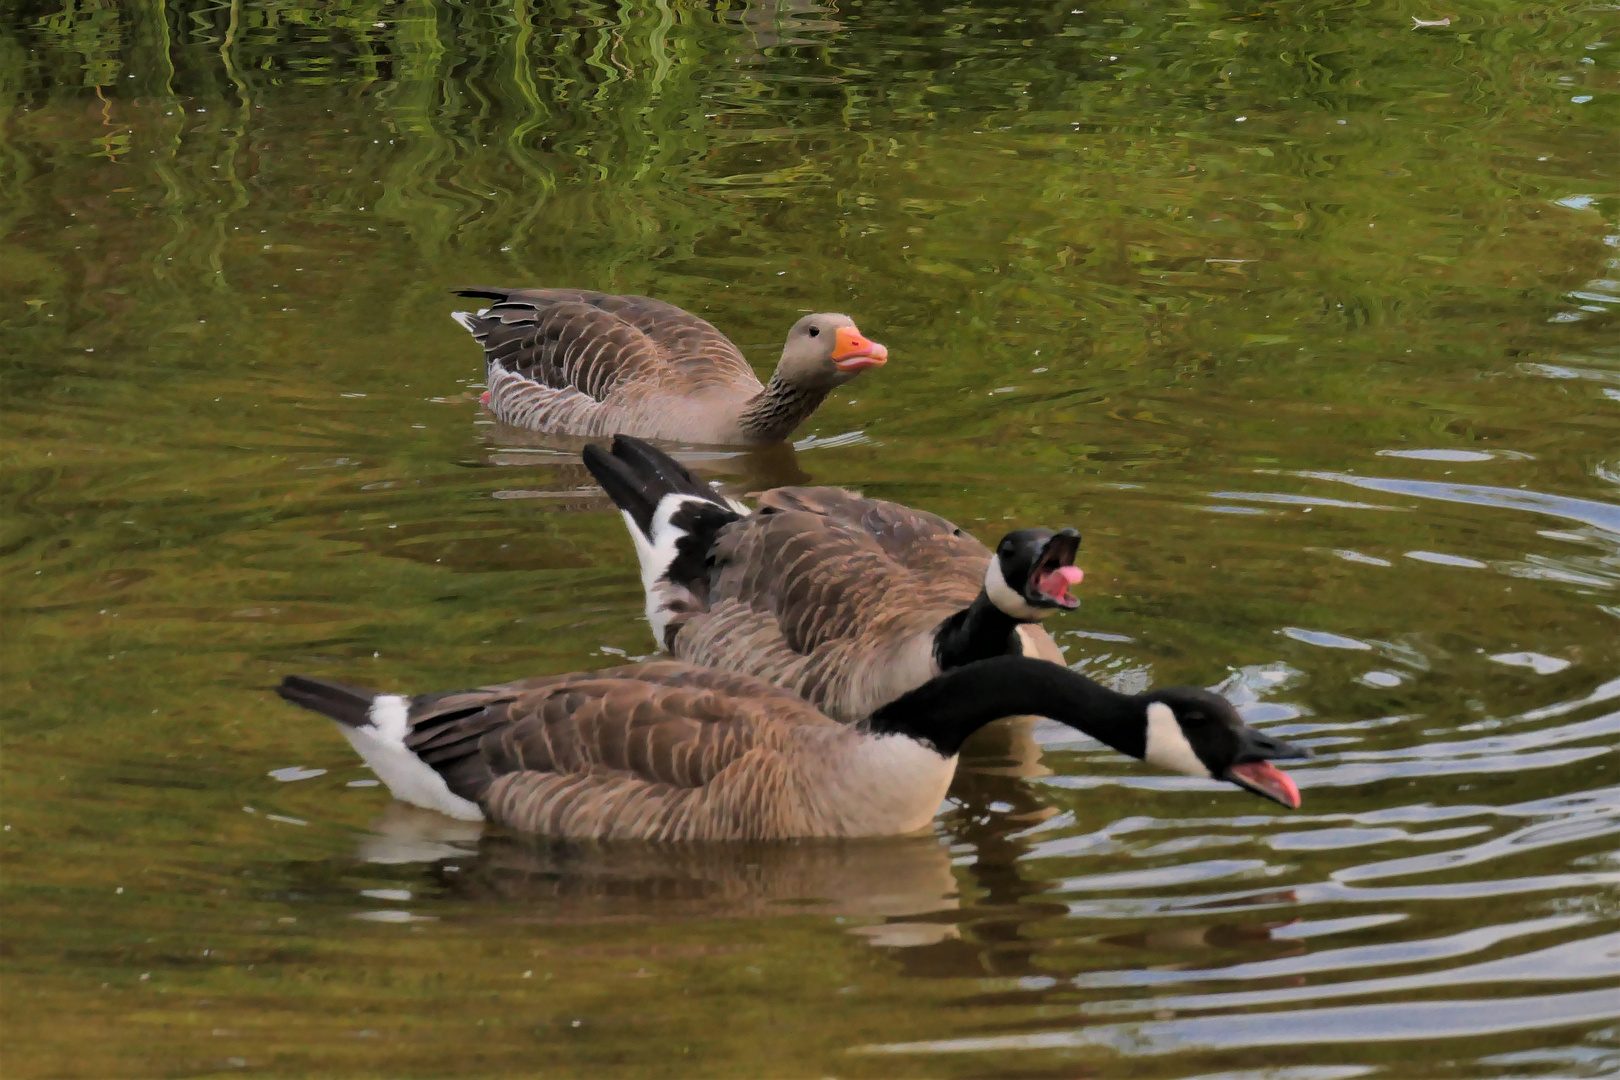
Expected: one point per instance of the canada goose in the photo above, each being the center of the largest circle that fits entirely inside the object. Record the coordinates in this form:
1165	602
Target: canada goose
590	363
670	751
848	602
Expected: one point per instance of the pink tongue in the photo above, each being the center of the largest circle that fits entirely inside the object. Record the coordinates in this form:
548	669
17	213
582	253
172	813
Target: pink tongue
483	399
1055	583
1270	779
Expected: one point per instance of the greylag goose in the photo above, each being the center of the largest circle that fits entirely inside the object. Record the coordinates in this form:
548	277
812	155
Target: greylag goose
848	602
590	363
669	751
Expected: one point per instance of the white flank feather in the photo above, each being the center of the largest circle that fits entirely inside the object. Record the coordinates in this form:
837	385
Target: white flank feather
891	784
655	550
410	779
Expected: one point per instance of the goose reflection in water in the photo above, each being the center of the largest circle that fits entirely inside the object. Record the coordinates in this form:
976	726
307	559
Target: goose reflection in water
885	885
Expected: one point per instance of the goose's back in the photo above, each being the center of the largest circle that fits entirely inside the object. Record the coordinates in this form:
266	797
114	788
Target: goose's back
608	346
660	751
833	596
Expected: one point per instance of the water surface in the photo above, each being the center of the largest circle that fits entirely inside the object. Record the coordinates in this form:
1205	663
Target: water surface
1303	313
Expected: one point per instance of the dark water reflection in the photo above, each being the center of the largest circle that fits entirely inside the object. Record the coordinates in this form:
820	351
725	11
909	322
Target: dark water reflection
1304	314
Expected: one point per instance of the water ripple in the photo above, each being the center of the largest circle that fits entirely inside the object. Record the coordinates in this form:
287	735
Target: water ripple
1588	511
1344	959
1396	1021
1584	958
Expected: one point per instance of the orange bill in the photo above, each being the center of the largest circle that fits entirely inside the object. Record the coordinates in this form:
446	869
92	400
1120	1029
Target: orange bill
853	352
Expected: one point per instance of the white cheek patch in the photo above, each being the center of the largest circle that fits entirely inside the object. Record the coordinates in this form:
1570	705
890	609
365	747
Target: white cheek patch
1008	599
1167	745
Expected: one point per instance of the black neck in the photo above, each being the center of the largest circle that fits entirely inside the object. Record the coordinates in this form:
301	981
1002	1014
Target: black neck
774	412
977	632
944	711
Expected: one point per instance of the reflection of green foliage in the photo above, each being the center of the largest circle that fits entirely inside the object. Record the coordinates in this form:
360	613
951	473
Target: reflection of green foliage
247	208
95	33
634	129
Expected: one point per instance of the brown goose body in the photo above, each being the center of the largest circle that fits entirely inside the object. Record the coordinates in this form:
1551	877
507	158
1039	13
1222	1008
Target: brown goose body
671	752
839	598
656	751
577	362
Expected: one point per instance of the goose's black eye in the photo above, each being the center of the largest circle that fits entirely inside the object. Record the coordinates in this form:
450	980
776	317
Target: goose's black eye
815	331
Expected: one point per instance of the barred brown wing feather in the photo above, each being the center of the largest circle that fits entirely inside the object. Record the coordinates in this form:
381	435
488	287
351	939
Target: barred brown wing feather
583	806
671	756
916	539
632	751
570	345
697	352
821	579
598	342
830	594
828	564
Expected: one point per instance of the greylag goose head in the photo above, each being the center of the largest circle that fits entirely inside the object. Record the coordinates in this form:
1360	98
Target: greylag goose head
827	350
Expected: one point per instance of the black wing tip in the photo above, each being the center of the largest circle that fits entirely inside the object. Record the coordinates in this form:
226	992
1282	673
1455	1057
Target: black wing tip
637	476
659	470
483	293
623	485
623	443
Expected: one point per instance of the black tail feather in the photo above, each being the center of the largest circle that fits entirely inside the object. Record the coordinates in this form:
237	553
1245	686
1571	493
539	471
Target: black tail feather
637	475
497	295
349	705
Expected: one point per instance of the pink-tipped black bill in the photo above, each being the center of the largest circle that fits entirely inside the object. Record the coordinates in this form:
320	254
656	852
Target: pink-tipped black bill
1265	779
1253	768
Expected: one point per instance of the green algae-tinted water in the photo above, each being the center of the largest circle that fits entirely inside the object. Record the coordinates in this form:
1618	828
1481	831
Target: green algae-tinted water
1304	313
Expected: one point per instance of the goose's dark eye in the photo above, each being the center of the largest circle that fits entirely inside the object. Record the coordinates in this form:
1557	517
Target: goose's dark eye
815	331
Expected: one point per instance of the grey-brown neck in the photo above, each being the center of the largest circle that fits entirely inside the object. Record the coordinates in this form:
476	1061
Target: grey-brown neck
773	413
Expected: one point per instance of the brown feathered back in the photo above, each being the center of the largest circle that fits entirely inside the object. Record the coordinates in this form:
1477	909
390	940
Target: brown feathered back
833	596
598	342
658	751
589	363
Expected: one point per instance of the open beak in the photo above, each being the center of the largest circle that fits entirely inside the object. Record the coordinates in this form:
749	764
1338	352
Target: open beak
1055	572
852	352
1256	773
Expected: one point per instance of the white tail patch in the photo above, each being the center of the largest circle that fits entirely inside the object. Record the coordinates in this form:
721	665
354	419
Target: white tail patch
1167	745
410	779
655	550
